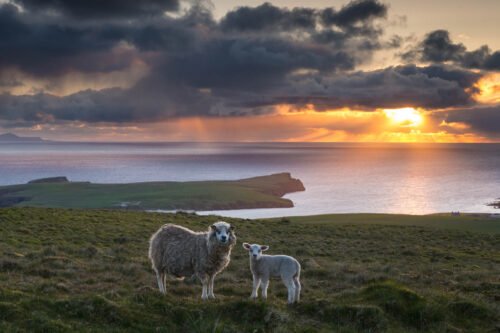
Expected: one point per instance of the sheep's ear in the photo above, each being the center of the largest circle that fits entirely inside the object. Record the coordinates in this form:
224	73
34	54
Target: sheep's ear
246	246
213	227
264	248
231	228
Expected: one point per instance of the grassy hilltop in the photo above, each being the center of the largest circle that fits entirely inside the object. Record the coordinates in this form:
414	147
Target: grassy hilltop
57	192
87	270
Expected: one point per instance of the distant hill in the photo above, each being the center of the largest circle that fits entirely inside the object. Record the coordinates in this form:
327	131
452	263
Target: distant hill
257	192
10	137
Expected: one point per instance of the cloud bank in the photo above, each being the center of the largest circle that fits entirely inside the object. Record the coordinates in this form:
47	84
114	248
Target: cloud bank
248	62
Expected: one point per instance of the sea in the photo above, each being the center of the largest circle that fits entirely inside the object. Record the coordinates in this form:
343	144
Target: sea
338	177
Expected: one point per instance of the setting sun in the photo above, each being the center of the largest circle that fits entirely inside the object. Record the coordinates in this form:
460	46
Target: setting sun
407	117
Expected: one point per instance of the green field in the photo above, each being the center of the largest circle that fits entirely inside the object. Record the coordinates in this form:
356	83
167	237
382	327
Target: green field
65	270
257	192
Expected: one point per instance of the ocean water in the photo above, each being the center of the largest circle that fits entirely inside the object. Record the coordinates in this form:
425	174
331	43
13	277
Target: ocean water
339	177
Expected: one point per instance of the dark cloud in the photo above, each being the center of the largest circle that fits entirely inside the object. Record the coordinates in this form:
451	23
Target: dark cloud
43	46
256	64
437	47
428	87
91	106
266	17
154	98
101	9
485	120
46	49
353	13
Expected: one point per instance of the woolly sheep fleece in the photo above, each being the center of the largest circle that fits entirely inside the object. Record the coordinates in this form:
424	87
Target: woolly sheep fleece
181	252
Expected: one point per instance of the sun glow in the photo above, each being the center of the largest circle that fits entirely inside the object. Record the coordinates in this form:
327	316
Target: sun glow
489	89
405	117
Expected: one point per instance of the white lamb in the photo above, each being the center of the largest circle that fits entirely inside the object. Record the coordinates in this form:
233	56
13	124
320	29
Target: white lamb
180	252
264	267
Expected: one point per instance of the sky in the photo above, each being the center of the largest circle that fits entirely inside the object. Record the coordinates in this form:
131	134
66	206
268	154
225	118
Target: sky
285	70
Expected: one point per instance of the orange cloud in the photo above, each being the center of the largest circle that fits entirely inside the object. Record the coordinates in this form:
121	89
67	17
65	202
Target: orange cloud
489	89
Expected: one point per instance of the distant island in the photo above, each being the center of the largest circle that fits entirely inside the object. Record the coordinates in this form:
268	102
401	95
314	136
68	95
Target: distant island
12	138
495	204
59	192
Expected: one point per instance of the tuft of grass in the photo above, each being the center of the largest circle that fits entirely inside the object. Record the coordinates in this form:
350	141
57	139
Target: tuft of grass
404	304
363	318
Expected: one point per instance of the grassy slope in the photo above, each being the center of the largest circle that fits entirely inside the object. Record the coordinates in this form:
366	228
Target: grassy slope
81	270
205	195
468	222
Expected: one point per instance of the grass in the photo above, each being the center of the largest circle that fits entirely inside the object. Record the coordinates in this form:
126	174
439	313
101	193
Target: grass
67	270
466	222
257	192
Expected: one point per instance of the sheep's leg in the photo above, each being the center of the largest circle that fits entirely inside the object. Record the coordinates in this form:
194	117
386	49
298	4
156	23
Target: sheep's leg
256	284
298	287
204	290
265	284
211	286
159	278
291	289
164	279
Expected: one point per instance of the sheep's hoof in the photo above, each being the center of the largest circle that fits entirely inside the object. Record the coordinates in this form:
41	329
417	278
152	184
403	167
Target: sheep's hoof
211	296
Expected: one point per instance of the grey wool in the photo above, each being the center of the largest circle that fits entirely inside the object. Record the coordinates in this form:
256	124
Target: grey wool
181	252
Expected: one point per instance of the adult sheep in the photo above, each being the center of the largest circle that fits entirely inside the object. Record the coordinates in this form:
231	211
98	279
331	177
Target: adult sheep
180	252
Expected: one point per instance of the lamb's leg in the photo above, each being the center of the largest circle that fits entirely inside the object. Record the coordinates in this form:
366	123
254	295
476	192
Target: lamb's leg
298	287
265	284
211	286
256	284
291	289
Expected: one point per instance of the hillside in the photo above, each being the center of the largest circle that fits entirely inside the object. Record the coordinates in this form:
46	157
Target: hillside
87	270
12	138
257	192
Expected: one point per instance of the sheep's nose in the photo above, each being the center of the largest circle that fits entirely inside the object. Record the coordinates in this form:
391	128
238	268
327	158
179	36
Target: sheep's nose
255	256
223	238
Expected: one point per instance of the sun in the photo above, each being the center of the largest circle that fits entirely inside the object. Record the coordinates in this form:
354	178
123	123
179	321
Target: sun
406	117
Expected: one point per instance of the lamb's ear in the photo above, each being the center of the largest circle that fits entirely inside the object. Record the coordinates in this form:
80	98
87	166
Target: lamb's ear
264	248
213	227
231	228
246	246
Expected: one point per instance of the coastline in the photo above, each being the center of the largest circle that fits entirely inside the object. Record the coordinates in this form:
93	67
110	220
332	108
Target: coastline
58	192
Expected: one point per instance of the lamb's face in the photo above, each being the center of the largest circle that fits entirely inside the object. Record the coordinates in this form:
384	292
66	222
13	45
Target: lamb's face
222	231
255	250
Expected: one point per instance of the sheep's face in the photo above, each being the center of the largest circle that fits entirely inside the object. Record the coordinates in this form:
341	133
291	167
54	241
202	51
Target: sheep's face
223	232
255	250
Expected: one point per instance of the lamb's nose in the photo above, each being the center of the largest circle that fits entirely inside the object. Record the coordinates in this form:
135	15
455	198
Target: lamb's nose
255	256
223	238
